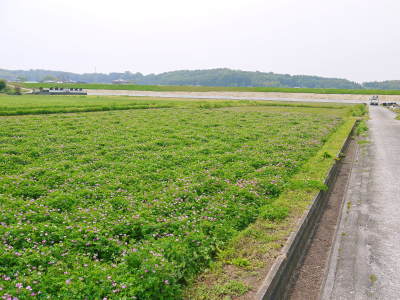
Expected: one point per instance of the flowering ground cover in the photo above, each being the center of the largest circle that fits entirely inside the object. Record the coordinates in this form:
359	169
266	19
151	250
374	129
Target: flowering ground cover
132	204
39	104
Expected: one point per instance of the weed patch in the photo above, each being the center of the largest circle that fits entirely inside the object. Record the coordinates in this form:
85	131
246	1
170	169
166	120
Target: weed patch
361	128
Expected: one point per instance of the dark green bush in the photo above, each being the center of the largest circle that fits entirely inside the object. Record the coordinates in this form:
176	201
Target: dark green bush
3	85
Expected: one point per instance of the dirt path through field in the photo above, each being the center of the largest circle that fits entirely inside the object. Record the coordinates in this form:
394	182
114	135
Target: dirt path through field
366	256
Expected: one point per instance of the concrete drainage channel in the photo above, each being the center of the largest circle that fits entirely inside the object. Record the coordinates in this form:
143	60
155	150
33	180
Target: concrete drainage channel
299	272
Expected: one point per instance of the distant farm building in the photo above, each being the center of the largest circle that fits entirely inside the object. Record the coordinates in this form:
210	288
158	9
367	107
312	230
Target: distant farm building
59	91
120	81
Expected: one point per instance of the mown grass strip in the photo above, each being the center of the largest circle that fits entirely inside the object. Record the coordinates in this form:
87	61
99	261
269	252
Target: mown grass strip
175	88
248	257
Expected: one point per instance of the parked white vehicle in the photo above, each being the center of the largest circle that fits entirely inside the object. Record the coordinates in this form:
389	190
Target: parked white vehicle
374	100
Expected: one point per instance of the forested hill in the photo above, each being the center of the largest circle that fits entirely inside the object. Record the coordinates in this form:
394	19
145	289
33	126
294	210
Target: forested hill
227	77
383	85
211	77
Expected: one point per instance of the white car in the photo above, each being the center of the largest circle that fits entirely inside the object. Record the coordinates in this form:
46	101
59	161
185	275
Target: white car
374	100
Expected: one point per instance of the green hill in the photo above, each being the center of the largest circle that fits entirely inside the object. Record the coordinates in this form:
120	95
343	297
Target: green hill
211	78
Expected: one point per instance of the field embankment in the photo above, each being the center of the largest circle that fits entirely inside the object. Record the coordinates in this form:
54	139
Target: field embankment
138	202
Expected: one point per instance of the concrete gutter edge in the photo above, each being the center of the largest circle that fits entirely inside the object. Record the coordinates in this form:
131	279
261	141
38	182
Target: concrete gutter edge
334	248
279	276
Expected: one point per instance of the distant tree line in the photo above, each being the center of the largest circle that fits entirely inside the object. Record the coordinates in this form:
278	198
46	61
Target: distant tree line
212	77
383	85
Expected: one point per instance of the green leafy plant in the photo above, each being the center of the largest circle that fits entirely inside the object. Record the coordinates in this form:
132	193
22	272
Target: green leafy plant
274	212
137	202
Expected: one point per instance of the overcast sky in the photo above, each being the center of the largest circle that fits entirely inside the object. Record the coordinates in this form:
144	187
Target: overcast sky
354	39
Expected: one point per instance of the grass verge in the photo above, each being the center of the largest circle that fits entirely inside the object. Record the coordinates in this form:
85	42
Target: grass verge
248	257
397	111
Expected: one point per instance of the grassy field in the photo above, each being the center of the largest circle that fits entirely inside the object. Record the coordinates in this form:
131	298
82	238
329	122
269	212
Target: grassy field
135	203
38	104
161	88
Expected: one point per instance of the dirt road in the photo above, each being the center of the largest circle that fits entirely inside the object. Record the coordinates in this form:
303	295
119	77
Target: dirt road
298	97
366	255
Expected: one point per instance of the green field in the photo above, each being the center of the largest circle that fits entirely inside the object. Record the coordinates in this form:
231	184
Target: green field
38	104
161	88
135	203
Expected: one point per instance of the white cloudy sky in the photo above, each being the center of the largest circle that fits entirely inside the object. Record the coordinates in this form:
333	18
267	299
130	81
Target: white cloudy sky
355	39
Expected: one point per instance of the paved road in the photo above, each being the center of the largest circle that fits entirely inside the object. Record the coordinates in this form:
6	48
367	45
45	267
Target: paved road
211	95
365	262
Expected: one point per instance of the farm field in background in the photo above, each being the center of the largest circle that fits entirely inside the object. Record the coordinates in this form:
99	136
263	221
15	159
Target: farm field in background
136	202
39	104
172	88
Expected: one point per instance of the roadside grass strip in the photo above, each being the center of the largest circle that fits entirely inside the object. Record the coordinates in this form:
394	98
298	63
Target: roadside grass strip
397	111
136	203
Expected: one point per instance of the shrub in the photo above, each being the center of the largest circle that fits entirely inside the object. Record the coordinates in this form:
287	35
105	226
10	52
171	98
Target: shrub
3	85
